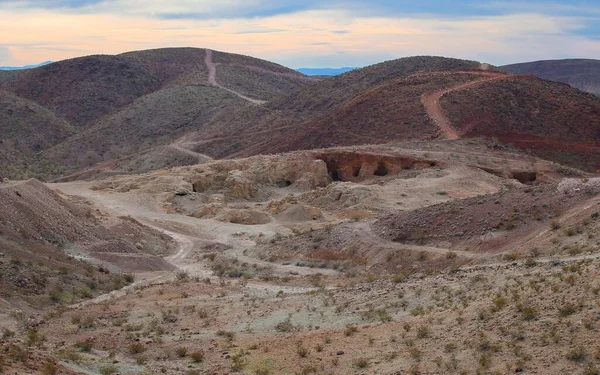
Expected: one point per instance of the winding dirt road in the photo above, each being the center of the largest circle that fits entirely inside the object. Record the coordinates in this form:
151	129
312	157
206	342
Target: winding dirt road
212	79
187	231
431	101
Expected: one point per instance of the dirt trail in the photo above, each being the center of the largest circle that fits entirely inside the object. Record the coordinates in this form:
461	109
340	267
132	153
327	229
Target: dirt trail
180	146
212	79
187	231
431	102
367	235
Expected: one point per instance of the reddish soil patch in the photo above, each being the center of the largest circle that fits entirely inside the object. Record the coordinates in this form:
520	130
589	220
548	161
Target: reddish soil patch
480	223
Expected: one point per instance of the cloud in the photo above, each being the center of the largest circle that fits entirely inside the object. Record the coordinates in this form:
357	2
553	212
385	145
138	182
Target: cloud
260	31
211	9
47	4
333	36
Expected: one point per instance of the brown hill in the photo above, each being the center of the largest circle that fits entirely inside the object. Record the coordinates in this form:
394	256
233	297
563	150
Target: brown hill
38	227
583	74
130	102
550	119
151	120
84	89
236	132
26	129
389	112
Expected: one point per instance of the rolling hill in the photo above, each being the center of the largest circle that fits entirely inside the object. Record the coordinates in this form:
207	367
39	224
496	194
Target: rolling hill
128	103
552	120
583	74
26	129
143	110
387	102
151	120
244	132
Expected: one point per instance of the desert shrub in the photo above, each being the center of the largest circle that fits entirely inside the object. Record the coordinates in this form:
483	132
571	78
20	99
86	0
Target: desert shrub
108	370
141	360
85	345
361	362
226	334
302	351
512	256
238	361
577	354
286	326
7	333
136	348
263	368
528	312
498	303
197	356
451	255
181	351
567	309
34	337
49	368
88	322
350	330
423	332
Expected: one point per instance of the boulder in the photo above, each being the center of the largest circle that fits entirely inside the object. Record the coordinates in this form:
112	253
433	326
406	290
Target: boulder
238	185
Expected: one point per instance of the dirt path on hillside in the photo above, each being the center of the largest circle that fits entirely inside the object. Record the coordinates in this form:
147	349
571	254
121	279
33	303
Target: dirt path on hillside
212	79
180	146
431	102
367	235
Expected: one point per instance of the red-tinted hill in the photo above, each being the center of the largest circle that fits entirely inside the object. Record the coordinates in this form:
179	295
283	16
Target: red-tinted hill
552	120
280	125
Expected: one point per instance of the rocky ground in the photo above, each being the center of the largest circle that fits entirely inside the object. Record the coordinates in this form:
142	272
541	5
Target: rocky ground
335	261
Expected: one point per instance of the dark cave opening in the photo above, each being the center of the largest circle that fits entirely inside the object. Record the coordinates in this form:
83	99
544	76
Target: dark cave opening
381	170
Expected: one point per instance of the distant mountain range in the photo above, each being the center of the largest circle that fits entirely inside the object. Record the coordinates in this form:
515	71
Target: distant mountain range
25	67
324	71
583	74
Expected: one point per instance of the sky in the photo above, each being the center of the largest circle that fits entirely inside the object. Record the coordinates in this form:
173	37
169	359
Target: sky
303	33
